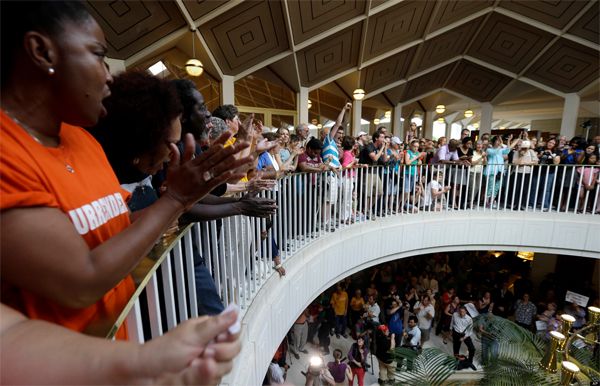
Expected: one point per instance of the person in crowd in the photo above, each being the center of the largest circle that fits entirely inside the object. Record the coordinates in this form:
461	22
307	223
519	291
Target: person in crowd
396	314
573	154
276	374
230	114
494	171
79	277
578	312
588	177
465	133
411	339
372	312
411	133
357	358
300	335
349	163
425	312
361	141
199	350
446	321
303	132
374	153
435	192
310	161
391	179
385	343
339	370
525	312
412	160
525	158
411	297
504	301
357	304
289	151
339	303
465	154
462	329
549	157
217	125
447	154
485	305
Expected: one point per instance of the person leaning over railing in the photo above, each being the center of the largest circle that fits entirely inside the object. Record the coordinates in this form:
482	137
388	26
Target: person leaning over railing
526	160
67	243
188	355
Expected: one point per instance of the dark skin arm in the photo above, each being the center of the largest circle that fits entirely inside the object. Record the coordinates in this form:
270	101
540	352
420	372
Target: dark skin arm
61	267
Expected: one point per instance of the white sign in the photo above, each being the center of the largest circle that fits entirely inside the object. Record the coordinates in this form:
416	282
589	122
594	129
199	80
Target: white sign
576	298
471	309
540	325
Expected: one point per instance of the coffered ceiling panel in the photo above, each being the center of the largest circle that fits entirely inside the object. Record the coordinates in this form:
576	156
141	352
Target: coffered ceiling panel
451	11
338	53
444	47
396	26
246	35
508	43
387	71
313	17
554	13
428	82
199	8
477	82
588	26
566	66
130	26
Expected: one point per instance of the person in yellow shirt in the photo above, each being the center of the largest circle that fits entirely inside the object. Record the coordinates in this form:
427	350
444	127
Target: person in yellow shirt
339	302
357	305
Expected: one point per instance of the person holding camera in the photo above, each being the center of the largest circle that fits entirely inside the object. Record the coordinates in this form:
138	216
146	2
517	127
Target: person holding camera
462	329
412	340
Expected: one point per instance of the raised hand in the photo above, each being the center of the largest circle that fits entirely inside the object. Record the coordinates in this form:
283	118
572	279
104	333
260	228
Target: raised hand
191	178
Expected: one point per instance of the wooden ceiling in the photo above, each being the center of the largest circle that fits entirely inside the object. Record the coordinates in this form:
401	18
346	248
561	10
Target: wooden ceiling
396	50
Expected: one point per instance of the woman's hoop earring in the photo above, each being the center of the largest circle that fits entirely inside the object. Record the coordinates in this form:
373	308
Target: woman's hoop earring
51	71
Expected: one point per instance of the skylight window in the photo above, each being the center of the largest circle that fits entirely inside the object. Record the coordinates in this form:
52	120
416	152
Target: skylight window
157	68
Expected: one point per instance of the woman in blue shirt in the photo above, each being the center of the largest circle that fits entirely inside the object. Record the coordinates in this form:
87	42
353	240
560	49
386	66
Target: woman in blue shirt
495	167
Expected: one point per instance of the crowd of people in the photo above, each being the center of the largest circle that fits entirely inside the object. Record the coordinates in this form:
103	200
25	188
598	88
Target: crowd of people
151	157
404	302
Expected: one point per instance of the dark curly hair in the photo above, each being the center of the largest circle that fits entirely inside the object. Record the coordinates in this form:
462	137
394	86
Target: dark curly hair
140	109
225	112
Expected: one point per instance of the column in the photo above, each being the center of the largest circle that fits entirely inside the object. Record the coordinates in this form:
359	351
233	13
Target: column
302	104
227	90
487	111
428	123
397	125
569	116
356	117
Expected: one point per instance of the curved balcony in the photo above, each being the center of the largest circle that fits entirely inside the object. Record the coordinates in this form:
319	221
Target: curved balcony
331	226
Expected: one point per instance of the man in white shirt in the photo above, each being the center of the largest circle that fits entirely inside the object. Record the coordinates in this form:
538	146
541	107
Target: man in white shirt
425	314
373	311
462	329
412	340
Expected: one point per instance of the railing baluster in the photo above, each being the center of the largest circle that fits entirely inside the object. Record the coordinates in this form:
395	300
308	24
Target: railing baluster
189	267
135	328
154	313
180	282
168	294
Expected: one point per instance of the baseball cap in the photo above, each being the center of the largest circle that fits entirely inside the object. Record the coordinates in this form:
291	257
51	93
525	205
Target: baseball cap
396	140
361	133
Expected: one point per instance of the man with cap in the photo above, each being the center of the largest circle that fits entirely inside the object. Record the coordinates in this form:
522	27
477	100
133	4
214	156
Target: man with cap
385	343
361	139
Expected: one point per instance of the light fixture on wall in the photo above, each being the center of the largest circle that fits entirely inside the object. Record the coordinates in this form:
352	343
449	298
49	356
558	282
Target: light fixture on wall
358	94
468	113
441	120
527	256
388	114
440	109
194	67
376	121
309	104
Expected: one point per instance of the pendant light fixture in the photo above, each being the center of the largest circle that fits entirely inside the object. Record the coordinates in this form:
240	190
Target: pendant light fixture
376	121
388	114
358	94
440	109
468	113
194	67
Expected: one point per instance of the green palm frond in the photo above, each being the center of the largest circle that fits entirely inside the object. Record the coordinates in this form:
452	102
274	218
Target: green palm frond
430	368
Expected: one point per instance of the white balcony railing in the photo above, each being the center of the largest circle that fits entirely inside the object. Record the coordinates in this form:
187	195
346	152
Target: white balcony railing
238	251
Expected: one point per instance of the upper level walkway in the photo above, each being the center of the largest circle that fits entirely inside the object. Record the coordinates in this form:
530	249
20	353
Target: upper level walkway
331	226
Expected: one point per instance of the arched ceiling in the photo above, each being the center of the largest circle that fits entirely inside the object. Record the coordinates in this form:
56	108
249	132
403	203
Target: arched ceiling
398	51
